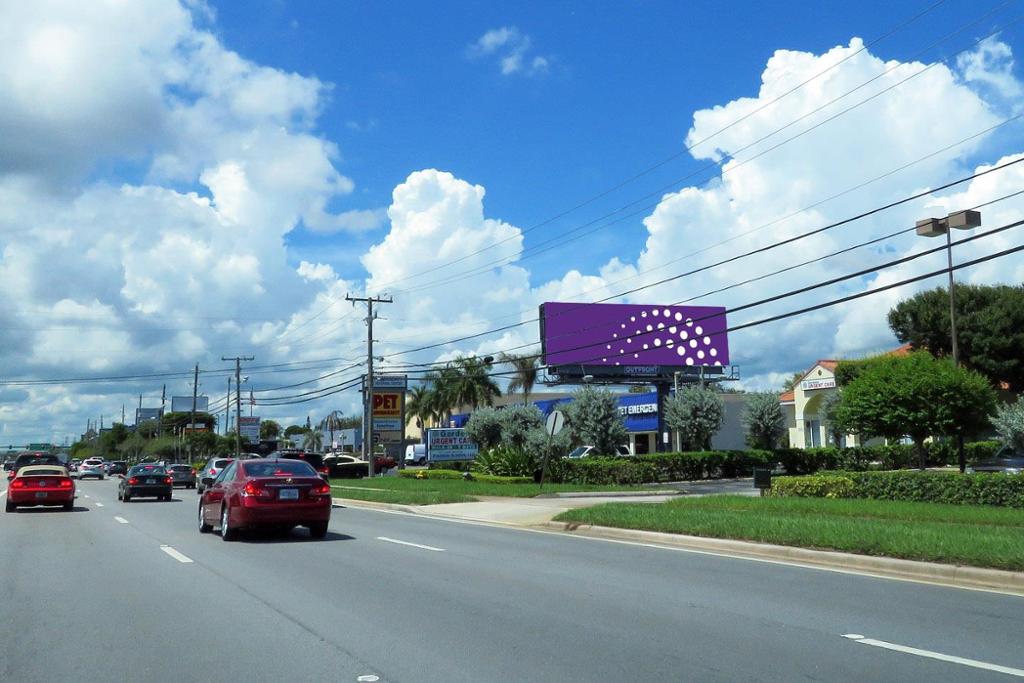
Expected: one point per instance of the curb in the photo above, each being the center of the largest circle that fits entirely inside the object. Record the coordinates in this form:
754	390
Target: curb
611	494
929	572
356	503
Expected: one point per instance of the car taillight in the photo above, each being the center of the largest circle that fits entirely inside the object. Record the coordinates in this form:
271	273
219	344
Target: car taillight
322	470
133	481
320	490
168	480
18	484
66	483
10	475
193	471
254	490
213	471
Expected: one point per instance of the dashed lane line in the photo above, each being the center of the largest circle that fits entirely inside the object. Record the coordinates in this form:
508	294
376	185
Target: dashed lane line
184	559
122	520
412	545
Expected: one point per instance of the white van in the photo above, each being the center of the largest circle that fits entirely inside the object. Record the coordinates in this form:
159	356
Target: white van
416	454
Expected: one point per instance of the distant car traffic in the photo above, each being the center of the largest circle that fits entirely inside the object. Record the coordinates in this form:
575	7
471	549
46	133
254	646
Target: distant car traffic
182	475
1006	460
271	492
91	467
117	467
41	485
145	481
212	469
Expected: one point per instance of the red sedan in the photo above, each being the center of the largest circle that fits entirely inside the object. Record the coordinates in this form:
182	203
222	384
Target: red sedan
41	485
268	492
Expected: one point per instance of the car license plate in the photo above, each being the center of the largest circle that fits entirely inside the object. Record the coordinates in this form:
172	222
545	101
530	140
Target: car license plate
152	480
40	494
288	494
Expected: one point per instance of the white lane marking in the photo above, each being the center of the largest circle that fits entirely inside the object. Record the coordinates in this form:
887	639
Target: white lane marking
2	493
121	519
175	554
368	678
87	495
856	637
99	505
413	545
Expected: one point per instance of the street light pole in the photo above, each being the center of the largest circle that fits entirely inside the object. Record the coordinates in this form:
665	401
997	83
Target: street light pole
933	227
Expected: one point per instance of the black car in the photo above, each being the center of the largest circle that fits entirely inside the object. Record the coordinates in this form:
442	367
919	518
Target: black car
346	467
26	459
314	459
1007	460
145	481
118	467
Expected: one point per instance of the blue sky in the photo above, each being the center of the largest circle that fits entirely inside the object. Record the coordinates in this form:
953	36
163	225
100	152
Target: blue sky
182	181
623	82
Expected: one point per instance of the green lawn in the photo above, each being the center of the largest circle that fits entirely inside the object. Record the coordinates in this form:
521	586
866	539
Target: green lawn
955	534
433	491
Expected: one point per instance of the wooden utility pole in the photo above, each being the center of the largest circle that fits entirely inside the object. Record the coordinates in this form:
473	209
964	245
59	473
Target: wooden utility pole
238	400
368	397
195	391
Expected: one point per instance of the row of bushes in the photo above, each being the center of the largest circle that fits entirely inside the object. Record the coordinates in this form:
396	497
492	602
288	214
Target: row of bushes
886	457
457	474
909	485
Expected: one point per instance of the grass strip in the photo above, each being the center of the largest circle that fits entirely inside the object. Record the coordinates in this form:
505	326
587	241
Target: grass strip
433	491
980	537
383	495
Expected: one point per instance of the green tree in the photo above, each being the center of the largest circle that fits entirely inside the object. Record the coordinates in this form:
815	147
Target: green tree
594	418
1009	424
696	413
484	428
292	430
916	395
132	447
473	385
269	429
763	420
517	422
526	369
332	423
829	405
791	383
989	322
108	442
419	406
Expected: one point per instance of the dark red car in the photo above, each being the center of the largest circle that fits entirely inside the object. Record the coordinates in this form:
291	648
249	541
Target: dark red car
41	485
268	492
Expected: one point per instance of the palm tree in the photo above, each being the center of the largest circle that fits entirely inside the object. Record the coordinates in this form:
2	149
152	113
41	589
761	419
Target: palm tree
526	367
418	405
474	385
333	422
313	441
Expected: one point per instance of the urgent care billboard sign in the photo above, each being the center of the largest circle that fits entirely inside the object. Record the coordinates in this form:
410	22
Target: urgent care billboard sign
633	335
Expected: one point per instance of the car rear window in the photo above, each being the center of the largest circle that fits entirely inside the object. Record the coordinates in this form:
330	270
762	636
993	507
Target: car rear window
281	468
180	468
26	460
223	462
148	469
46	473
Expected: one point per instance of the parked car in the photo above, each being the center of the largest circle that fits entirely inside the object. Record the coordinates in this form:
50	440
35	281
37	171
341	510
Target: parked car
117	467
314	459
282	493
585	451
346	466
416	454
91	467
145	481
1006	460
382	461
41	485
212	469
182	475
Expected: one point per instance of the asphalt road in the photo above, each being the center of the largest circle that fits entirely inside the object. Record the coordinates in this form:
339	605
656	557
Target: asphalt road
86	597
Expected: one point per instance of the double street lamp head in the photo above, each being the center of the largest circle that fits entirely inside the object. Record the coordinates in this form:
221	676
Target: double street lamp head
961	220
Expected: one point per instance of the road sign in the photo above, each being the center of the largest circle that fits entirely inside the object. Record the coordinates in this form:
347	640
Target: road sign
555	422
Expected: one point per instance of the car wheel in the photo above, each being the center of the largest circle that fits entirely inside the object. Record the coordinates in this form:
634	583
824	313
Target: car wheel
101	477
68	507
317	529
127	497
226	532
204	528
11	507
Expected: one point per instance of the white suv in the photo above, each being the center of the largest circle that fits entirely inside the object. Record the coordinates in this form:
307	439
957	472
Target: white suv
92	467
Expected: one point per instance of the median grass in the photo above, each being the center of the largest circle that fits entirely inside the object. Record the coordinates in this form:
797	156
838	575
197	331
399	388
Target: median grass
434	491
980	536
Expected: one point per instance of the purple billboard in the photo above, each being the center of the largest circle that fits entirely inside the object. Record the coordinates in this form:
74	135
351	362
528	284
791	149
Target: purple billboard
631	334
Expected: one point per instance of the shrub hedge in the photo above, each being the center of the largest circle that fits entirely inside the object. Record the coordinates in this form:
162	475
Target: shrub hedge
455	474
908	485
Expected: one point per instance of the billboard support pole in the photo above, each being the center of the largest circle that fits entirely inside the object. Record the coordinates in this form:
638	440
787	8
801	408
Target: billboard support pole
195	390
663	391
